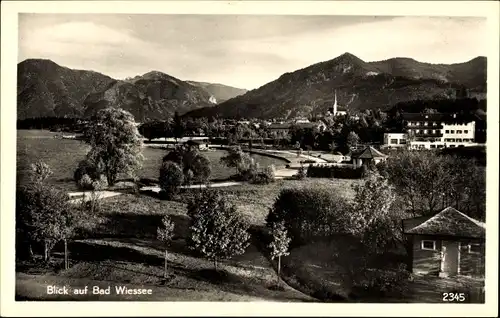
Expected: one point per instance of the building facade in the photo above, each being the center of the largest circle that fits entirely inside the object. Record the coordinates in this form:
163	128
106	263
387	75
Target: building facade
449	243
431	131
395	140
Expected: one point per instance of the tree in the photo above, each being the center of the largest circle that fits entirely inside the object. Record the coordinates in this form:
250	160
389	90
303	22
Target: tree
171	177
165	232
194	165
178	128
371	216
279	244
44	215
421	178
40	171
237	159
352	139
115	143
217	230
202	169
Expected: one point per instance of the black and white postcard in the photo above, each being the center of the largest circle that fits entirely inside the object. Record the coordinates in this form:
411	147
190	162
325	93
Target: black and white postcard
272	158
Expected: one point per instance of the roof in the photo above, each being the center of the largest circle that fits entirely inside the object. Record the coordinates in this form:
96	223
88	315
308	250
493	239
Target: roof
368	153
441	117
449	222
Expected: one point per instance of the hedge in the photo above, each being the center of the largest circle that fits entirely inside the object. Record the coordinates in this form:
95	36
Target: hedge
324	171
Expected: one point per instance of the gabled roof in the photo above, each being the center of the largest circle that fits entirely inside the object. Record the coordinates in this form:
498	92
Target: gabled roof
450	222
368	153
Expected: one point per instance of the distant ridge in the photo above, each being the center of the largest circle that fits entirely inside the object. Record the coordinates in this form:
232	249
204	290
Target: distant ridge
359	85
46	89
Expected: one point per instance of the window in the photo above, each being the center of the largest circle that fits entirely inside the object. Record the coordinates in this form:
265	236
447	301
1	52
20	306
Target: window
459	131
425	131
410	123
440	146
428	245
459	140
433	146
394	141
433	131
447	131
474	248
417	131
452	146
452	131
402	141
434	123
466	131
425	124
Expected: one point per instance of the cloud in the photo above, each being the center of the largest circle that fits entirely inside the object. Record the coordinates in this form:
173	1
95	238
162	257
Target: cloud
243	51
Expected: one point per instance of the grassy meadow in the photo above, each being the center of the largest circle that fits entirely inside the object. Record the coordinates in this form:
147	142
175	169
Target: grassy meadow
63	156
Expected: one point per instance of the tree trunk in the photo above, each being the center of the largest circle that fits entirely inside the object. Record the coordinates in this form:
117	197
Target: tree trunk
279	269
66	261
165	271
31	251
45	251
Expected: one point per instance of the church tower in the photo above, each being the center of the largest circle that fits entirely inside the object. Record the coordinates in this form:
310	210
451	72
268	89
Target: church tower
335	105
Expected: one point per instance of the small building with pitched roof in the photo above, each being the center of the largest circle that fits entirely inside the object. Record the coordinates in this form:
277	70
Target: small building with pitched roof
449	243
367	156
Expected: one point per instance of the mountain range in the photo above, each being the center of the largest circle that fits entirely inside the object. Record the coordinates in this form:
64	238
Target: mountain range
358	85
48	89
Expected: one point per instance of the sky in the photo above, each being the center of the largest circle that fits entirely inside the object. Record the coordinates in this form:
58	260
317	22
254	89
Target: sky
245	51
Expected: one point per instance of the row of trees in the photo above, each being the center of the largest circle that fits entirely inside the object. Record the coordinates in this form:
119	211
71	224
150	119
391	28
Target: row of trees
426	182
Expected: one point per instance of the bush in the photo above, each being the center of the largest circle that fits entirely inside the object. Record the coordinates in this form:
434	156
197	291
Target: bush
310	213
171	178
302	174
86	183
86	167
265	177
324	171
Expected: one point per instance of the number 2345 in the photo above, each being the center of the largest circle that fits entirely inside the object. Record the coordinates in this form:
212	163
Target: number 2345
451	297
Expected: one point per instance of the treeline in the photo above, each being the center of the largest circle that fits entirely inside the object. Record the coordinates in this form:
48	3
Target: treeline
462	105
51	123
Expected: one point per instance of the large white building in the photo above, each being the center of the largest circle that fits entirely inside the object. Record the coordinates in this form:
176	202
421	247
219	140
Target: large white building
431	131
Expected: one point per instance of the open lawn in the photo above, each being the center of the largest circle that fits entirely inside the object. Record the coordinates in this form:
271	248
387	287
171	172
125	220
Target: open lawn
63	156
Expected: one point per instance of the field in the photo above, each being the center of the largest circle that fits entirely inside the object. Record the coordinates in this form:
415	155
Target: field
63	155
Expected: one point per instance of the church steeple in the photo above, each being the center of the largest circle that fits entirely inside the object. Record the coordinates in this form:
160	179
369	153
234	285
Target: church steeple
335	105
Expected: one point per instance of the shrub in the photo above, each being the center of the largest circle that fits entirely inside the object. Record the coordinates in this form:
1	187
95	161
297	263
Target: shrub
265	176
85	183
325	171
86	167
171	178
310	213
302	174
